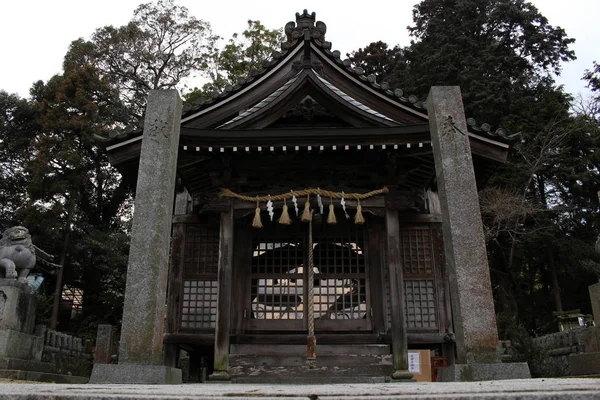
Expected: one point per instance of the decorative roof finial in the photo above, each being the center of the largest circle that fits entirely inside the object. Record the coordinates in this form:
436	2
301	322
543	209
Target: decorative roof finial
305	21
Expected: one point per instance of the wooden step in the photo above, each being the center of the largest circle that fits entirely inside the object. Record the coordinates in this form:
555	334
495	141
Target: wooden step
300	350
328	374
311	380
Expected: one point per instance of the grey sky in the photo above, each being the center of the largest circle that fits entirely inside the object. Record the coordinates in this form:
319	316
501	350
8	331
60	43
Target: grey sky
34	35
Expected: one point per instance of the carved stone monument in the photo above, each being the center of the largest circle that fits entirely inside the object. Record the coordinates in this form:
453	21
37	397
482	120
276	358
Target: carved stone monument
140	349
473	313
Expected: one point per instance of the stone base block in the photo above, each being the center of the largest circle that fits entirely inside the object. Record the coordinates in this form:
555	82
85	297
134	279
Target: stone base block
135	373
483	372
585	363
14	344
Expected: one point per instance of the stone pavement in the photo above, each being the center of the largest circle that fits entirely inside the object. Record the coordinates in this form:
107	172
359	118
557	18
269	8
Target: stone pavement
569	388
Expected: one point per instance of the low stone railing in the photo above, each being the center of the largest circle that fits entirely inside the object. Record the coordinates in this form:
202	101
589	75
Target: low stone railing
65	351
558	346
548	355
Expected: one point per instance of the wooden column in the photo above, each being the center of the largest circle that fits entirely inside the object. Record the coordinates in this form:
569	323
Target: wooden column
224	298
399	337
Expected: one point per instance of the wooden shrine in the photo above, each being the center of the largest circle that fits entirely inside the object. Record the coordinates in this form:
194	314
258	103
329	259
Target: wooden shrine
306	298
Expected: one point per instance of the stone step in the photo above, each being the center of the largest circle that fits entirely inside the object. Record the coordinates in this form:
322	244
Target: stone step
269	360
41	377
26	365
326	349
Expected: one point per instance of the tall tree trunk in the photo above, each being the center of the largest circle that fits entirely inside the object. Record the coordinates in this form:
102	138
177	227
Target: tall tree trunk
555	285
63	257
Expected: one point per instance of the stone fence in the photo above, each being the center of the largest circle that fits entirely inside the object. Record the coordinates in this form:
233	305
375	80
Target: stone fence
66	352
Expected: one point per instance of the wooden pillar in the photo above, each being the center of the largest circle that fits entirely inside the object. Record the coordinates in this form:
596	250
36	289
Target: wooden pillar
399	337
171	354
224	298
376	269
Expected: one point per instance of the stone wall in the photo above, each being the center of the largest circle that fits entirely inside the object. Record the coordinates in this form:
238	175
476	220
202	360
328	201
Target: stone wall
66	352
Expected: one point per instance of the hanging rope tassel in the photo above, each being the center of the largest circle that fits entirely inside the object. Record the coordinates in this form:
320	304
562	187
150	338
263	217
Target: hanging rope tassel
331	217
256	222
358	218
306	215
285	215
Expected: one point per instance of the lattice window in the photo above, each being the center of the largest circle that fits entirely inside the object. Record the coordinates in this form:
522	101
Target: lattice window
420	303
277	286
199	304
416	252
340	289
201	252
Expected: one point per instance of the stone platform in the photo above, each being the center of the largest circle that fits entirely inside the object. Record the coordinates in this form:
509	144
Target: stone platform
551	389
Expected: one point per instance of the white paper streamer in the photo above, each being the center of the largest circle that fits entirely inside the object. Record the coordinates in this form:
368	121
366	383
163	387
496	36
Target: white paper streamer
295	201
343	204
270	208
320	203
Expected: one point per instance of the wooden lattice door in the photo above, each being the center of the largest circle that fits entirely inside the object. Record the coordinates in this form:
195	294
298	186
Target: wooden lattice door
278	276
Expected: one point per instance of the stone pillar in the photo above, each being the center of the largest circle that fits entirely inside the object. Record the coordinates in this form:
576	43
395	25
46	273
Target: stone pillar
464	245
141	345
104	345
224	298
399	337
595	299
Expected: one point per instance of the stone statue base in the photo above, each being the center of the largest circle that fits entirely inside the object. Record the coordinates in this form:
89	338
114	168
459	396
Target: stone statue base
17	306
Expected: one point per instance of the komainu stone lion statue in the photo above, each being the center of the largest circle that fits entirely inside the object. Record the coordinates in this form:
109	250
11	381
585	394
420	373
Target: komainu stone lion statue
17	253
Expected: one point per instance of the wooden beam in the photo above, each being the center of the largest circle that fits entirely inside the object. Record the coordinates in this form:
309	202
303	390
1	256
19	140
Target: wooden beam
224	298
317	136
399	338
208	339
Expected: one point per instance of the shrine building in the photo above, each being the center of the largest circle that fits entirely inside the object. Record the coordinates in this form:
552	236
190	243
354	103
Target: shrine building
371	241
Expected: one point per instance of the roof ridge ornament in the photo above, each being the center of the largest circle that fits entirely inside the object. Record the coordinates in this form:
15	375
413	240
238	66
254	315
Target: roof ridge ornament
305	21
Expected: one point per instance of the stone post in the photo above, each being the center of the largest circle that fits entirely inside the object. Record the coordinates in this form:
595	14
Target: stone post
464	245
595	299
104	345
141	345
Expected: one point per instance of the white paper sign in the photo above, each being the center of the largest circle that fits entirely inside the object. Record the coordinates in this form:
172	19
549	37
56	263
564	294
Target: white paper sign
414	360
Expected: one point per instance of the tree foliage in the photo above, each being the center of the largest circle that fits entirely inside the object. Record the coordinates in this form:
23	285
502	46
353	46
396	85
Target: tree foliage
380	60
157	49
242	54
17	128
592	76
